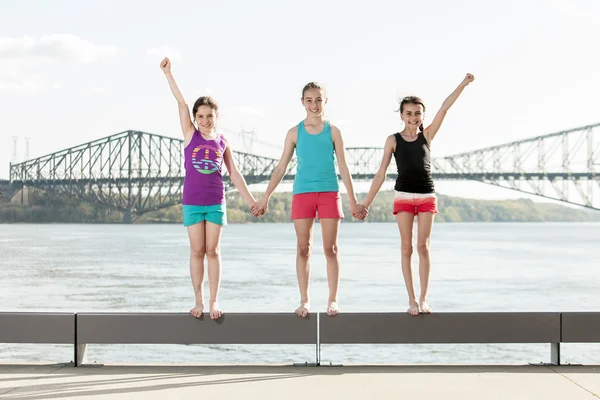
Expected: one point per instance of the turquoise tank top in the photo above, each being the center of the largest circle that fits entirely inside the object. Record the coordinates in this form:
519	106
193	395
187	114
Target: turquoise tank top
316	163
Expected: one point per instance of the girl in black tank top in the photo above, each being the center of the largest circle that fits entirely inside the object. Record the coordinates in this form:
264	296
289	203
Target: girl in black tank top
413	162
414	189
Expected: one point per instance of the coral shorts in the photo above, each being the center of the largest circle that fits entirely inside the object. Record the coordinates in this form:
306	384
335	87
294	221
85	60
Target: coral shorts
325	204
415	202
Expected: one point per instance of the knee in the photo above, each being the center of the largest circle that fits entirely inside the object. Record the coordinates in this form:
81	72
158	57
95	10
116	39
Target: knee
330	250
423	248
407	249
304	250
197	253
213	251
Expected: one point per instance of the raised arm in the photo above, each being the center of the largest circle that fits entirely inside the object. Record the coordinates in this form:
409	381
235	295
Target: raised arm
279	171
187	127
379	179
358	211
236	178
432	129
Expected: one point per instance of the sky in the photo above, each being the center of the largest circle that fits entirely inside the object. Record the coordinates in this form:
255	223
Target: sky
75	71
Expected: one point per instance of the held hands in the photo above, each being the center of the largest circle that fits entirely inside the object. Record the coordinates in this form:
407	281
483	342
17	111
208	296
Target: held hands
359	211
259	208
165	65
468	79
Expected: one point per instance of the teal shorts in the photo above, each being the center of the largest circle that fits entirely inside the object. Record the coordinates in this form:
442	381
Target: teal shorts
216	214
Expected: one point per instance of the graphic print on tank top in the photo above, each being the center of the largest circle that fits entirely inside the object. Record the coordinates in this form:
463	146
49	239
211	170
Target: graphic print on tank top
206	159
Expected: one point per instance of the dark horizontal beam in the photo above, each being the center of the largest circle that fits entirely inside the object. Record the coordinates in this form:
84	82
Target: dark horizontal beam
440	328
580	327
55	328
232	328
287	328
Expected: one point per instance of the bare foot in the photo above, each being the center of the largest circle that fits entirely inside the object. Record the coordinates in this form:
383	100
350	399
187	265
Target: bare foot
414	308
303	310
198	310
215	311
425	309
333	309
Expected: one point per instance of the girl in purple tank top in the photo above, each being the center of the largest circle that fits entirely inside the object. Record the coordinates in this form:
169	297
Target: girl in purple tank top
204	210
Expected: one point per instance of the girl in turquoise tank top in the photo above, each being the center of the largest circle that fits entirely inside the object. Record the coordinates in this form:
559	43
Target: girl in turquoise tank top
317	143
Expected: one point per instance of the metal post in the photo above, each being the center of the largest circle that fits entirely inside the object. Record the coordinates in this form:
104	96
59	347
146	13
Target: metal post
318	345
555	353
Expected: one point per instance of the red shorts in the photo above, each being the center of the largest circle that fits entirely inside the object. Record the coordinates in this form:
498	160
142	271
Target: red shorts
326	204
415	202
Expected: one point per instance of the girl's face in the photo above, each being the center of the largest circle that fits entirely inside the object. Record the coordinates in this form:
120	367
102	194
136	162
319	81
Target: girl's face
205	118
412	115
314	101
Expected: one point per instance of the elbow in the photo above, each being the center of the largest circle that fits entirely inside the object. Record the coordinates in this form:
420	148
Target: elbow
279	171
344	170
236	179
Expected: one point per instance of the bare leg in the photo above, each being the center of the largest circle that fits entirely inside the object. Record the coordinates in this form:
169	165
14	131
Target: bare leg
304	235
405	225
330	228
425	225
213	254
196	234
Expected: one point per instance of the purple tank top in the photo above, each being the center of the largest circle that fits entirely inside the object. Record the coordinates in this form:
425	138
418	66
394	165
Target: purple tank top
203	184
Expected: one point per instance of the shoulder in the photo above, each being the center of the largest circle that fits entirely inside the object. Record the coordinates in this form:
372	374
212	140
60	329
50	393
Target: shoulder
390	142
336	132
293	132
224	141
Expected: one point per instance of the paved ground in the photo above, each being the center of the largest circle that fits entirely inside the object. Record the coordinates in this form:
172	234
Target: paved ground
287	382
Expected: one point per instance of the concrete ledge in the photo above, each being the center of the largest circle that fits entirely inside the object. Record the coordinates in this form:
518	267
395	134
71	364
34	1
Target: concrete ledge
363	328
30	327
580	327
181	328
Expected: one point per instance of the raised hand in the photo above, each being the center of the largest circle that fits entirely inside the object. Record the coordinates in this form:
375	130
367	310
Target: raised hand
468	79
165	65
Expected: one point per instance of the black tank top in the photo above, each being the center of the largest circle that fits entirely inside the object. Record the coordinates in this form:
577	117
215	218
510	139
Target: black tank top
414	165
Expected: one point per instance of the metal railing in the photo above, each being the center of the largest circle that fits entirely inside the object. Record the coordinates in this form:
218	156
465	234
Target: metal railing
81	329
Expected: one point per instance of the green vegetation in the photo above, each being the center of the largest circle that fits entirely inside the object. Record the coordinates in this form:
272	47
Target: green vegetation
46	208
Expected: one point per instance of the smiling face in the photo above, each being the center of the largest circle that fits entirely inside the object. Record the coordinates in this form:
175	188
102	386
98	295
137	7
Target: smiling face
413	115
314	101
412	112
205	113
205	119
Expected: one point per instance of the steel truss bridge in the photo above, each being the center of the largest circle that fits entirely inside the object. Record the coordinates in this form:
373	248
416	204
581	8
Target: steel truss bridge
138	172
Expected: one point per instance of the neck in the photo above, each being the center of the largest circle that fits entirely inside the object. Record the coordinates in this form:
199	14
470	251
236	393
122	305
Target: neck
314	120
207	133
410	131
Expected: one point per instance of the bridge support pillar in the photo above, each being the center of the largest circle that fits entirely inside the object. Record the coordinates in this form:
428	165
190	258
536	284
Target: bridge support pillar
127	217
10	192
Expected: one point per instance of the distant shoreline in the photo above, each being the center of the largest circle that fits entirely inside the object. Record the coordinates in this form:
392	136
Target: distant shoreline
47	209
